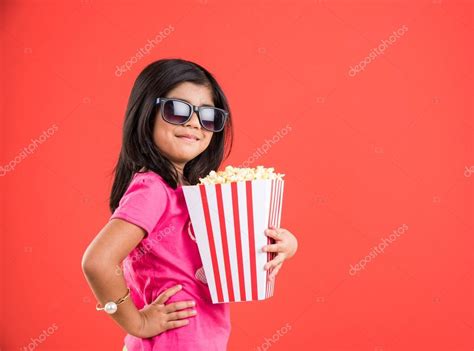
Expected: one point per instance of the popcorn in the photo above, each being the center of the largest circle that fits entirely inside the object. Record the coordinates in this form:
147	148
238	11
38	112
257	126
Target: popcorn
235	174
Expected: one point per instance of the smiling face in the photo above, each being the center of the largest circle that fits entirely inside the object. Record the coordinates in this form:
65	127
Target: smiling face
170	138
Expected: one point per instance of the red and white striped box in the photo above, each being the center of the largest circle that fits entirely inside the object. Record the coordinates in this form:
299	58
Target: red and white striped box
229	222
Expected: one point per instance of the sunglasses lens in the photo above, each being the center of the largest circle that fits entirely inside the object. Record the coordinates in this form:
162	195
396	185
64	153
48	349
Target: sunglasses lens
176	112
212	119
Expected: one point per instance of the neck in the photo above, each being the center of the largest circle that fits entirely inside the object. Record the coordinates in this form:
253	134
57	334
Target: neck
179	168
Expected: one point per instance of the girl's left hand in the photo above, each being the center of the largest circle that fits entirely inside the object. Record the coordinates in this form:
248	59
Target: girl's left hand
285	247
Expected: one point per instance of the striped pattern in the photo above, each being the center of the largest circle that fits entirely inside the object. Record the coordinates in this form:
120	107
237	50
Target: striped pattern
274	219
229	221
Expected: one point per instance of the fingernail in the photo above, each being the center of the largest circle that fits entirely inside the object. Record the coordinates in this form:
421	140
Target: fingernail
193	303
193	311
179	286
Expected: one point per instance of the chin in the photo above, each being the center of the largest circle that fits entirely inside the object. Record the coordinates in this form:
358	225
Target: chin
186	157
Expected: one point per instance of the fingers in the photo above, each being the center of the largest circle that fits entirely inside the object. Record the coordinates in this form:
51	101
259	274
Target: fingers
176	324
273	233
177	318
275	262
165	295
181	315
274	271
272	248
180	305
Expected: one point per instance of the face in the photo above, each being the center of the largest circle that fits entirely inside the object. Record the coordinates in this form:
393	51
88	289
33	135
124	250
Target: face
169	138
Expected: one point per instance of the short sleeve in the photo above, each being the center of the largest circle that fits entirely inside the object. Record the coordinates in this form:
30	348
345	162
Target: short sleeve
143	203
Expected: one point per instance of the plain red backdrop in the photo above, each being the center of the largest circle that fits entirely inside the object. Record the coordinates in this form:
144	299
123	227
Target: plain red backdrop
366	154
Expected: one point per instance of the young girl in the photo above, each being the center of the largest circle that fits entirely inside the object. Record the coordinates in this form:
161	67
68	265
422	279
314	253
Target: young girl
143	266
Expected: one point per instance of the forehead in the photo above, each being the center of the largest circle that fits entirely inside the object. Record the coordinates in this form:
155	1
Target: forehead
193	93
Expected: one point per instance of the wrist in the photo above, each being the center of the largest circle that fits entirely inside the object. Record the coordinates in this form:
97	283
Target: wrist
136	325
112	306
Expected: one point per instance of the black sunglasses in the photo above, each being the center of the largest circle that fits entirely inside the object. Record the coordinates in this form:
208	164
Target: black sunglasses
177	111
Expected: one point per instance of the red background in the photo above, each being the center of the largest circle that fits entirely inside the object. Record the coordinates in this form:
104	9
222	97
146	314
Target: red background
365	155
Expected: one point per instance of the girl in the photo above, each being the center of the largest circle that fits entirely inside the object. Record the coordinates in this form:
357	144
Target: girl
143	267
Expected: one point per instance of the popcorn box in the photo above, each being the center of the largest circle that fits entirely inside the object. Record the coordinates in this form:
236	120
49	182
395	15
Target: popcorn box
229	222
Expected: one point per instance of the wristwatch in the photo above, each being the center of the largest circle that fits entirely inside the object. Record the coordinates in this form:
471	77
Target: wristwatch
111	307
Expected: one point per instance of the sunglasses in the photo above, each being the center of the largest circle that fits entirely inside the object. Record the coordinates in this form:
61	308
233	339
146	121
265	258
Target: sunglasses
177	111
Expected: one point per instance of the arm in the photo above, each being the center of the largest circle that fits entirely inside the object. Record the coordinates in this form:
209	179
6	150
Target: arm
100	264
101	267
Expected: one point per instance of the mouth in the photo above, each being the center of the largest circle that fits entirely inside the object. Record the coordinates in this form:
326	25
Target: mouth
188	138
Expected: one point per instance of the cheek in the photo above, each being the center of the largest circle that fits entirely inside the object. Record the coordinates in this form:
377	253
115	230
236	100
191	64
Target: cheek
207	141
161	133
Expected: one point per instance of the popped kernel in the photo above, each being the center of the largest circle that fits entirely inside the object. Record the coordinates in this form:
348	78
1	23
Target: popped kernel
235	174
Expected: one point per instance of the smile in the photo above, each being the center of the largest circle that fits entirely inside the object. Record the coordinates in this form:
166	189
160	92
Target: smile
188	139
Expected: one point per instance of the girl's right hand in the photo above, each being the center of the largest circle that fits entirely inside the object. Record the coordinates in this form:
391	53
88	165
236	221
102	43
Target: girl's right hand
157	317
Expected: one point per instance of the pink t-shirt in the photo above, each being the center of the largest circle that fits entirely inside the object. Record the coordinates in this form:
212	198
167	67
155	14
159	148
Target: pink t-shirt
167	256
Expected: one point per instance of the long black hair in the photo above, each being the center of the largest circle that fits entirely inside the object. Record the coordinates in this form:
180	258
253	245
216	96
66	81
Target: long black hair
138	148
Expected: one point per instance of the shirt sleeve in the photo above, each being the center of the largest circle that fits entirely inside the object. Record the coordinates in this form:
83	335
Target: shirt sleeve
143	203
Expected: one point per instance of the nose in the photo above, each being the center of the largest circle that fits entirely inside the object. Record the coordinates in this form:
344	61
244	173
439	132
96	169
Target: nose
194	121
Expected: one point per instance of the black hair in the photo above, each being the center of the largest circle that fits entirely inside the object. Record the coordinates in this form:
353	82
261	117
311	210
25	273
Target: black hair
138	148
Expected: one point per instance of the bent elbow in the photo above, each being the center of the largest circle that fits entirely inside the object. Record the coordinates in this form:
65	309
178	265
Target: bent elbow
96	264
91	263
87	263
